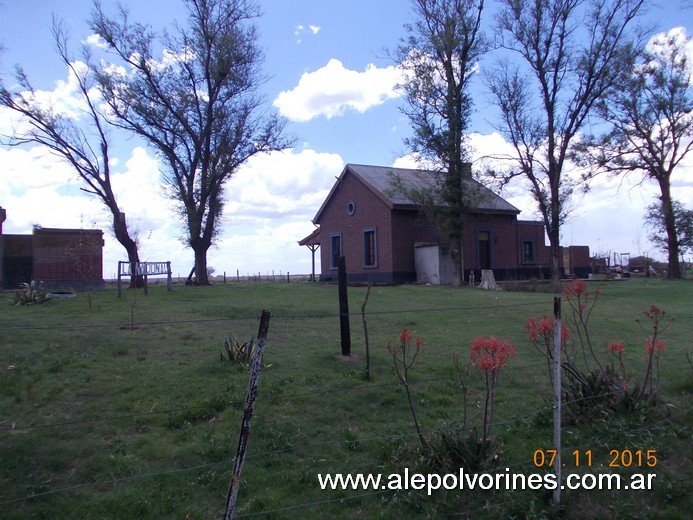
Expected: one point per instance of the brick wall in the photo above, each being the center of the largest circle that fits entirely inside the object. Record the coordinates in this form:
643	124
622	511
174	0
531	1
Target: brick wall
516	249
502	233
367	212
68	257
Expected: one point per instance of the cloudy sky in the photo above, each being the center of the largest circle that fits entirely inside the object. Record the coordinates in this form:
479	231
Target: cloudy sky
332	79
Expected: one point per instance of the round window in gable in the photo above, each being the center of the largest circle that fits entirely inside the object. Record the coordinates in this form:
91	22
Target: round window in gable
351	208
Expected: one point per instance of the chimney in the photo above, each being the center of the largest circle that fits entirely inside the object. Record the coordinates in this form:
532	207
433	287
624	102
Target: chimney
466	170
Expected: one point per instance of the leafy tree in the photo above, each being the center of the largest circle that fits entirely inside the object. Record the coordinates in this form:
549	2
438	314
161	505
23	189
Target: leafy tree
650	114
571	53
439	57
83	142
197	105
655	219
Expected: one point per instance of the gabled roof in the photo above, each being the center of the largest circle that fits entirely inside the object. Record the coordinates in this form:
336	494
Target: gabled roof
379	180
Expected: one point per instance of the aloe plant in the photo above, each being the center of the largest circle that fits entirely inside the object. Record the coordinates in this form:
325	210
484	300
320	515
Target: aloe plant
29	294
241	353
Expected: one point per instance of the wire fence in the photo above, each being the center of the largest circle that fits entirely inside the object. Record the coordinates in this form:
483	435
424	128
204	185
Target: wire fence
300	443
275	276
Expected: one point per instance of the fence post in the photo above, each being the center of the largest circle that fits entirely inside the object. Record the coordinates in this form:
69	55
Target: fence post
365	331
344	330
557	397
251	394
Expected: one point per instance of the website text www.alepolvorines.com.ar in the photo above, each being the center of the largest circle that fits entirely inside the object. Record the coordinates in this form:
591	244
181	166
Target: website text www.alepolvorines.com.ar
432	482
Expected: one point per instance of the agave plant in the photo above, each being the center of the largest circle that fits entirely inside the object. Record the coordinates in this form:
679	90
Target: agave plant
241	353
29	294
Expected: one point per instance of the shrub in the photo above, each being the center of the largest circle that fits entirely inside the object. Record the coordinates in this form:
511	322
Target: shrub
29	294
489	355
459	449
403	361
241	353
599	388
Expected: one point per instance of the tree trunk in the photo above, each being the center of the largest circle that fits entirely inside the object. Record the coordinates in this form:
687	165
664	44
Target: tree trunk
456	280
201	274
556	285
488	281
120	230
554	233
674	269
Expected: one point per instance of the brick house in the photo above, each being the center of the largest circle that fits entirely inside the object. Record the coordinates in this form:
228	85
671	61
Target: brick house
385	238
63	259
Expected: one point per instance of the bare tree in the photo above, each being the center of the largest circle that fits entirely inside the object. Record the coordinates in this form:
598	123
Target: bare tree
571	53
439	57
197	105
82	142
650	115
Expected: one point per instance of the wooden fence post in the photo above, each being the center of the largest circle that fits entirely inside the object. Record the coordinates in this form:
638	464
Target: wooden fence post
365	331
557	397
251	394
344	330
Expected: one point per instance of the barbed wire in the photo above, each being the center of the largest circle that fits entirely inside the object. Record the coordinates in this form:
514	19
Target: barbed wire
322	315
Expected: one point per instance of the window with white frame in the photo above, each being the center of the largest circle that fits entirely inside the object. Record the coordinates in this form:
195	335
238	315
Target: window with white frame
528	256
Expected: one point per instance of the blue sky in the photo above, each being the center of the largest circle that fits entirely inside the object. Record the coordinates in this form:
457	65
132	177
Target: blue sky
330	75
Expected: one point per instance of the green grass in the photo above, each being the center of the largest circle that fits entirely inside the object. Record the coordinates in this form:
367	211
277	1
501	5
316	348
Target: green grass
127	410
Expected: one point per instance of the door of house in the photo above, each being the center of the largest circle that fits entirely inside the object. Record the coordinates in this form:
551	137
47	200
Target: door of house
484	249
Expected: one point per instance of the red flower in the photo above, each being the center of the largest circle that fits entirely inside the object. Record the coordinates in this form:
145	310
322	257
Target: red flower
490	354
404	343
544	328
576	288
658	346
615	346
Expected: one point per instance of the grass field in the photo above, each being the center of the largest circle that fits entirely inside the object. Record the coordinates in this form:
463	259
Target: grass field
125	408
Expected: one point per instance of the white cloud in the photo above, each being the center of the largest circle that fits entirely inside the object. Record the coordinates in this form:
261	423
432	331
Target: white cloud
334	89
95	40
659	43
269	207
300	30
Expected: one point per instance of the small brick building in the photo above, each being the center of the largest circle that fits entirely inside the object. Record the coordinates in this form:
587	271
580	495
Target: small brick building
385	238
63	259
